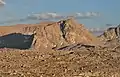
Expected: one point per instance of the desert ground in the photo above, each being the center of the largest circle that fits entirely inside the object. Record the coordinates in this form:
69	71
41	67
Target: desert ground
82	55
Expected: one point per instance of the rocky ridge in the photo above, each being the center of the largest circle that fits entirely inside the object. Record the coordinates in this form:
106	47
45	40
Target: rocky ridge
48	35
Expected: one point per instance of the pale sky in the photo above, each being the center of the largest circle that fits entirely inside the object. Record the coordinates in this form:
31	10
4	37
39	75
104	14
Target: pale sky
92	13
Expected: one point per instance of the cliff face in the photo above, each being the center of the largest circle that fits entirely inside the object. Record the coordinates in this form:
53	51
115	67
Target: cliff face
111	37
49	35
111	33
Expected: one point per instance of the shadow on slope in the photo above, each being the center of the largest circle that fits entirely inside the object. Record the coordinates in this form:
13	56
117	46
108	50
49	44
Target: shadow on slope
16	40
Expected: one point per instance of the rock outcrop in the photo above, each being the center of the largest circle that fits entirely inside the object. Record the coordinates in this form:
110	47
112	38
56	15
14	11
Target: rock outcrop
74	47
48	35
111	33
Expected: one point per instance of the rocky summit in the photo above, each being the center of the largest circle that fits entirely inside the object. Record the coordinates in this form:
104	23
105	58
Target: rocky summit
110	34
49	34
111	37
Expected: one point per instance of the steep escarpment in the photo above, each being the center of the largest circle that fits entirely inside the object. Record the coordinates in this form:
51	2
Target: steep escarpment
111	33
49	35
111	37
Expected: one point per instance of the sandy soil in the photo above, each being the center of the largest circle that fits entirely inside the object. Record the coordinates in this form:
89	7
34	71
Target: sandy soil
101	62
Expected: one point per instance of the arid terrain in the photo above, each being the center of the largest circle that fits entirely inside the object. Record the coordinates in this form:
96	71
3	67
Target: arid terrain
80	54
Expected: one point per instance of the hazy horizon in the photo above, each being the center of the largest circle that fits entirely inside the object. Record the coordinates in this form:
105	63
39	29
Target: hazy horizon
92	13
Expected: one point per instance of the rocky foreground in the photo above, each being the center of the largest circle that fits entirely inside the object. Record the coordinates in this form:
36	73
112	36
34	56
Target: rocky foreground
82	62
83	55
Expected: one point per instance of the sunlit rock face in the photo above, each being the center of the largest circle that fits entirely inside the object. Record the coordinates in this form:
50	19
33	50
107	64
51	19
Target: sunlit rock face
110	34
48	35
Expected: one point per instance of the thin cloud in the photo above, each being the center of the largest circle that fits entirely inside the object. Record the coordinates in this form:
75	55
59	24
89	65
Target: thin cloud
42	16
51	16
87	15
97	29
2	2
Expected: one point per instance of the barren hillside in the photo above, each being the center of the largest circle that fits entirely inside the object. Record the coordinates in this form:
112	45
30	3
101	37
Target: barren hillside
77	55
110	34
49	35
